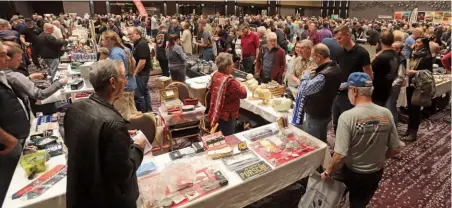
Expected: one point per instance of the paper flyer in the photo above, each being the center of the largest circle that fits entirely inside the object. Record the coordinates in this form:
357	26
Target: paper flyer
140	134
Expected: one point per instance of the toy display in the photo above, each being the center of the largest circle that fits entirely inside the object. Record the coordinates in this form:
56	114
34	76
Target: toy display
254	135
278	150
214	141
241	160
160	190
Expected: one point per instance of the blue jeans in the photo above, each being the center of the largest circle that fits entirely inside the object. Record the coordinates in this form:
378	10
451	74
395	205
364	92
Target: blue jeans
142	97
391	103
318	128
207	54
53	66
227	127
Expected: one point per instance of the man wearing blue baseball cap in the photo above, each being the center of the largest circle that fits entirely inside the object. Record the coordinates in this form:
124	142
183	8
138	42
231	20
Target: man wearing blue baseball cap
365	137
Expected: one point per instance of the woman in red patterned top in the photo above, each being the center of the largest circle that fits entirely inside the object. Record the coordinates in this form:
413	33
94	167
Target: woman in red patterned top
226	93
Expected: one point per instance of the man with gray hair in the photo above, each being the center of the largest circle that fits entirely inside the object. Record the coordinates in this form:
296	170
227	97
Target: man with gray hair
318	89
282	39
271	61
101	153
366	136
57	33
49	48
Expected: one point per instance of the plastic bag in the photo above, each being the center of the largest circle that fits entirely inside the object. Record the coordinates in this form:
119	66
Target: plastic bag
322	193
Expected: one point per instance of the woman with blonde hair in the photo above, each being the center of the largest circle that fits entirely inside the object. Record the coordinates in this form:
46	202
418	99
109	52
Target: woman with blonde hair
186	38
399	36
126	104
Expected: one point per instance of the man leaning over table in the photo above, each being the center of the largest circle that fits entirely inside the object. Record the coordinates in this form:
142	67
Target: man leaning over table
14	127
103	159
320	86
22	85
366	136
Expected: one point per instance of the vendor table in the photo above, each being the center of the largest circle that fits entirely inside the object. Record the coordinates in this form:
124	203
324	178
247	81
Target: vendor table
239	193
265	111
54	197
87	87
198	87
443	87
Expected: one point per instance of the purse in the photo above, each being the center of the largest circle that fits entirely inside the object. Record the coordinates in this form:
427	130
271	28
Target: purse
419	99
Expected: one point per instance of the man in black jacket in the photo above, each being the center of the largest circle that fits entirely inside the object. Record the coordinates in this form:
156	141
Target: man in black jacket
282	39
103	159
50	48
14	122
320	86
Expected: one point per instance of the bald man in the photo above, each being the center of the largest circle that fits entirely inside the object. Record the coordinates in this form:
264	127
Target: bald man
50	48
318	88
409	42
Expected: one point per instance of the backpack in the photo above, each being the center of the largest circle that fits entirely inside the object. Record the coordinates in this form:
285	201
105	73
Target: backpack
425	88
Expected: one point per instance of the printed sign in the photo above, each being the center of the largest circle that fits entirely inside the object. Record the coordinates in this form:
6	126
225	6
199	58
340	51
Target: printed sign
384	17
253	170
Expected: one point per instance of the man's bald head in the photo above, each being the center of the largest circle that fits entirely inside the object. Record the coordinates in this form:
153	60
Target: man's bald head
417	32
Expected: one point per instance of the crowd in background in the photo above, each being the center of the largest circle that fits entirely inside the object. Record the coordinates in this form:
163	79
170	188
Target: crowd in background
328	64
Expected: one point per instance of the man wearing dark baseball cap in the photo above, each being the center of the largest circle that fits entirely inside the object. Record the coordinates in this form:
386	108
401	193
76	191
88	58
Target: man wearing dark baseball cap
29	37
365	137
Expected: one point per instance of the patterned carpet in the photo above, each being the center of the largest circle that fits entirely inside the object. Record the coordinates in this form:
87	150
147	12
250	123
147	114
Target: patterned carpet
420	175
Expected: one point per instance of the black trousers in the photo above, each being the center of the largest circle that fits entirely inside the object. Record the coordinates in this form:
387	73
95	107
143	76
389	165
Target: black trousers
414	111
340	104
34	56
360	186
164	66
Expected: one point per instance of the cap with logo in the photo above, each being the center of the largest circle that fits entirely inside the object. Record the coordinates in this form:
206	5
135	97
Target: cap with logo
359	79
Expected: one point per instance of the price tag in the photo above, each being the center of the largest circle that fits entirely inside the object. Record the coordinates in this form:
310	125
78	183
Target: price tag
253	170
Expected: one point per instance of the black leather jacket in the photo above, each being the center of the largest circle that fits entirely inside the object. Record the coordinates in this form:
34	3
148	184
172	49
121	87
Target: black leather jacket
13	118
102	160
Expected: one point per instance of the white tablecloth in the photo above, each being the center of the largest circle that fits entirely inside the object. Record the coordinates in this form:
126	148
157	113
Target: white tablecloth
443	87
240	193
54	197
265	111
198	87
237	193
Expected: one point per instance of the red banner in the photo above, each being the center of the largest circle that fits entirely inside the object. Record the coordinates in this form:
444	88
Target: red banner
140	8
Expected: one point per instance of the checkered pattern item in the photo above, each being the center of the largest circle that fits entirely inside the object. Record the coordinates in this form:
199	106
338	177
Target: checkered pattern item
360	126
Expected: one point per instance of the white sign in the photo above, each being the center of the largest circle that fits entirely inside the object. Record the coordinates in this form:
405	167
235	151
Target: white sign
413	16
384	17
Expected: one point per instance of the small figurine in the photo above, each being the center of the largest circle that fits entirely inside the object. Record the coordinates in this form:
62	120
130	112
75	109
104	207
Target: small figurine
242	146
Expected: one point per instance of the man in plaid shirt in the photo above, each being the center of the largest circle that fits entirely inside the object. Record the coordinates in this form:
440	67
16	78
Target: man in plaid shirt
319	86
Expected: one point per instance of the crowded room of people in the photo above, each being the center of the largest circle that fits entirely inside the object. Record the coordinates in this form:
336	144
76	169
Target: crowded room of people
225	104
